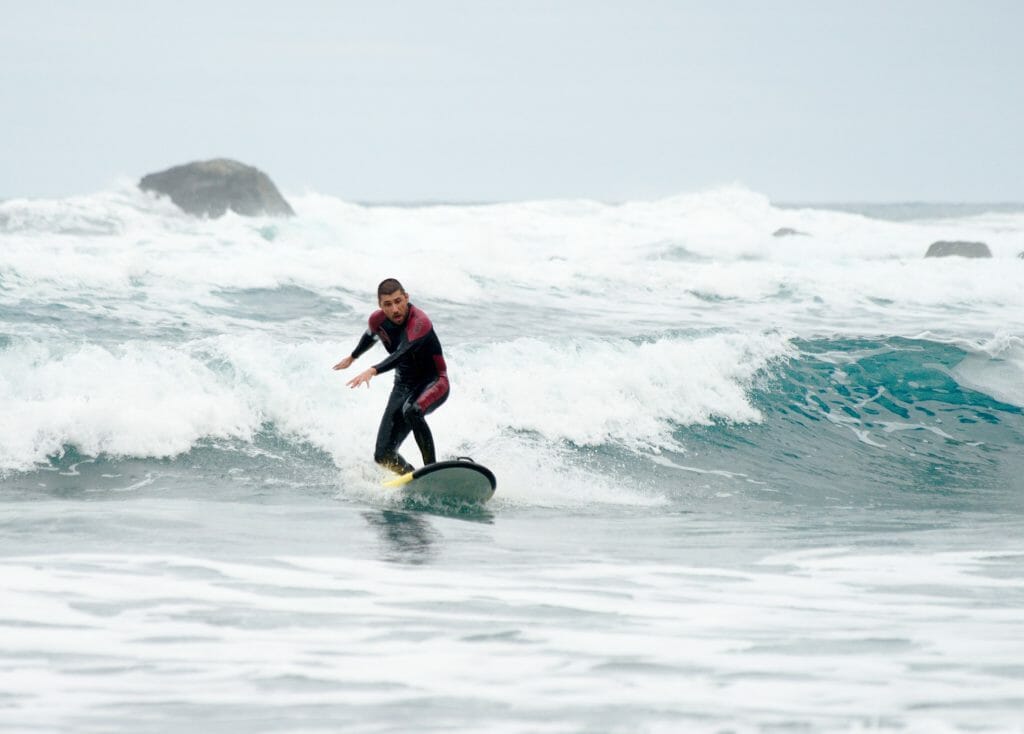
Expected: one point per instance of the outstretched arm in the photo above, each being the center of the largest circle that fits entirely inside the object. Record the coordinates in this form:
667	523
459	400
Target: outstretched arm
367	340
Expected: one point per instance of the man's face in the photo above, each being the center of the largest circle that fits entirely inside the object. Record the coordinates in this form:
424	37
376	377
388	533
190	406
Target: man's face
395	306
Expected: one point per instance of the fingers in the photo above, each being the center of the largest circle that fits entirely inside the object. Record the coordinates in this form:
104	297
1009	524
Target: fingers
361	378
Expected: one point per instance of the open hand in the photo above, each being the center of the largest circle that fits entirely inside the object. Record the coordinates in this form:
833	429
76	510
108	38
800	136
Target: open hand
363	377
343	364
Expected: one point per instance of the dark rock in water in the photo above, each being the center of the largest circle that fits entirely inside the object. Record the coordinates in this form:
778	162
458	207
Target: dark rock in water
210	188
788	232
948	248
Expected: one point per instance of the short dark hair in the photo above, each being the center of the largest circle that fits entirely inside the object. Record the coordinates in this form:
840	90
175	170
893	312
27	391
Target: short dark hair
387	287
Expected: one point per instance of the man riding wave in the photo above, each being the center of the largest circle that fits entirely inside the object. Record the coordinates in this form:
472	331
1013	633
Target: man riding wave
421	376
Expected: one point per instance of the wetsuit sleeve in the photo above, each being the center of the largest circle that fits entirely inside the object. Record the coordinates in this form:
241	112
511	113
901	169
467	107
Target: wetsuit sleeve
367	340
369	337
416	332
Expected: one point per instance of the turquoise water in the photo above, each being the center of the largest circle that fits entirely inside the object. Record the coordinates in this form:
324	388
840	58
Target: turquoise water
745	483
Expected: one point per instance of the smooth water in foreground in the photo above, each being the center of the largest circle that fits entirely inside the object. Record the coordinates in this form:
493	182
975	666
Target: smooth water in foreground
746	484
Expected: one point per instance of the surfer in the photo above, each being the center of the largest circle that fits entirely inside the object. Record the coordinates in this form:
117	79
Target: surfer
421	376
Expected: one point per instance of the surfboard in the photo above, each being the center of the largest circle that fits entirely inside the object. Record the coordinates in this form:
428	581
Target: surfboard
462	480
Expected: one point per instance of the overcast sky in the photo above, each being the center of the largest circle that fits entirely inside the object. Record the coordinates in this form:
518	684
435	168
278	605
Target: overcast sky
802	100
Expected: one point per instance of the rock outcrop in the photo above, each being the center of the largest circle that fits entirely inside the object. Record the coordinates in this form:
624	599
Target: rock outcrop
211	188
957	248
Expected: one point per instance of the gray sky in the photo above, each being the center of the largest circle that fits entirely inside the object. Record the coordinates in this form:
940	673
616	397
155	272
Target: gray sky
473	101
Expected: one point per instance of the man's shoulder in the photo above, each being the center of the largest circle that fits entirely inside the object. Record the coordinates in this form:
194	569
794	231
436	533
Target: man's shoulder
377	319
418	322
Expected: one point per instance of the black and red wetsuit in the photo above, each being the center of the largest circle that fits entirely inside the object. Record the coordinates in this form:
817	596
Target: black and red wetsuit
421	383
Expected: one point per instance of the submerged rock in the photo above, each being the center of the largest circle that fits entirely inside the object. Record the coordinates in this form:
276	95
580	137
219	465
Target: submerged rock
957	248
211	188
788	232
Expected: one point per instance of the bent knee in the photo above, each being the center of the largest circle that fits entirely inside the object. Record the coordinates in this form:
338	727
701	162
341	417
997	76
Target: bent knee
412	410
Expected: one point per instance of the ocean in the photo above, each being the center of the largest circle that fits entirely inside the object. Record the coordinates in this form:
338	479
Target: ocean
746	483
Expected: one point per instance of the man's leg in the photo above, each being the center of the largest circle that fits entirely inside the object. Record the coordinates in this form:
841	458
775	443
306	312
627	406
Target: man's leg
415	410
393	430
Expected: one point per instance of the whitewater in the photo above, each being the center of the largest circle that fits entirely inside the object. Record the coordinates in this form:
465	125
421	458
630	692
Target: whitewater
746	482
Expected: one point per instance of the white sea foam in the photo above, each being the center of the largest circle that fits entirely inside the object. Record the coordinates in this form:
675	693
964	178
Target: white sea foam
691	264
996	368
137	400
660	260
151	400
597	392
